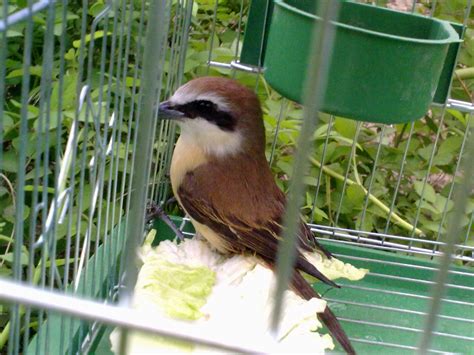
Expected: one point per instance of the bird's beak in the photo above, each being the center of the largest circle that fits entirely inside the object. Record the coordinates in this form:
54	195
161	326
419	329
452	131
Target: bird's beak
168	112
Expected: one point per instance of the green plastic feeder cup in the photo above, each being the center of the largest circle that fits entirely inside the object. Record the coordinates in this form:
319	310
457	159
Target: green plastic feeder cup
385	66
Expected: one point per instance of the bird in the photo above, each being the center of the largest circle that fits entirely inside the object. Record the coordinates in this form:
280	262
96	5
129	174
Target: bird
222	180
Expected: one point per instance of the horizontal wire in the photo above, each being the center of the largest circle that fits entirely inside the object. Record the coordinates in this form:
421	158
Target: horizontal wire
405	294
468	288
351	257
463	106
393	309
219	64
392	345
23	14
120	316
317	228
408	329
388	248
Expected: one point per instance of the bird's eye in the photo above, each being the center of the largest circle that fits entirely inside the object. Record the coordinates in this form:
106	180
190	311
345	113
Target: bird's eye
205	104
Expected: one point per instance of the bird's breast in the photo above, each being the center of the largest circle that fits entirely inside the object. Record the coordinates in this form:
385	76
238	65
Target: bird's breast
186	157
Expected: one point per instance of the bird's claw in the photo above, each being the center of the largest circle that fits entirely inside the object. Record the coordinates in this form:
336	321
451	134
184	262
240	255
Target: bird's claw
153	211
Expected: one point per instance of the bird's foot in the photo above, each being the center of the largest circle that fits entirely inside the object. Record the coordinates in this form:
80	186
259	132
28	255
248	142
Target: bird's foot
153	211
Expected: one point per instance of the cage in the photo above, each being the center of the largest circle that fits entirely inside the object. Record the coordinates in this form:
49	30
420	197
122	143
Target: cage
83	150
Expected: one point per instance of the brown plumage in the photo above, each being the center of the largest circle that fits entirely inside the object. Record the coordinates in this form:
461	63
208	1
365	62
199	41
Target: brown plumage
221	178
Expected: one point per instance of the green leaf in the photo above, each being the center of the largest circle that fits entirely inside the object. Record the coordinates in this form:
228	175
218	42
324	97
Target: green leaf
33	70
367	224
311	180
458	115
355	194
5	272
96	8
442	202
429	193
8	122
13	33
33	111
39	188
450	145
58	29
9	161
9	213
9	258
319	214
70	54
345	127
3	192
130	81
432	226
285	167
97	35
425	152
427	206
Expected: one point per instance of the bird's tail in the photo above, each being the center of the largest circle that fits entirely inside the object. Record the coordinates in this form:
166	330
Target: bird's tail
304	289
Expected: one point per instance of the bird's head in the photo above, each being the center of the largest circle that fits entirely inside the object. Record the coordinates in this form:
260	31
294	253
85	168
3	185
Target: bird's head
218	115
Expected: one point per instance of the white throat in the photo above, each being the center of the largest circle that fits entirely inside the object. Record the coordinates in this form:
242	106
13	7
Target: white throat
210	138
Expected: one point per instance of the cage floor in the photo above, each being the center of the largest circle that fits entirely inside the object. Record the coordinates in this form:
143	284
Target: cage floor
384	312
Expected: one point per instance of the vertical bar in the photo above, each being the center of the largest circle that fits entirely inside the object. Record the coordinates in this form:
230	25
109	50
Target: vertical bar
461	197
466	17
462	192
13	344
399	180
239	34
118	110
102	143
323	160
456	170
283	106
131	141
3	56
110	112
314	91
372	177
59	130
49	247
150	85
77	134
428	171
184	41
213	33
348	169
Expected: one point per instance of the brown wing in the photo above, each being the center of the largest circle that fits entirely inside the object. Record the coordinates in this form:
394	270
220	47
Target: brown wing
240	201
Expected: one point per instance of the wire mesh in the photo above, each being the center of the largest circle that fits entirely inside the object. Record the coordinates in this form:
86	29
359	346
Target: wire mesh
71	145
76	161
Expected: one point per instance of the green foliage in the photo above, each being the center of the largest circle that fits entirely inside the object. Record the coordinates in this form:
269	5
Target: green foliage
49	127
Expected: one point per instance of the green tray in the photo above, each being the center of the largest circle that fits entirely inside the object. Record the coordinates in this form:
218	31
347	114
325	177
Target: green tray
383	313
385	66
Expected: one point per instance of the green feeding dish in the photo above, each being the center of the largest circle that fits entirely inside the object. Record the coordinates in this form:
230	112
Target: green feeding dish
385	66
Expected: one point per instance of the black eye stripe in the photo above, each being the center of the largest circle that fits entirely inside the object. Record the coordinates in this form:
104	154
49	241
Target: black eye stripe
198	107
210	112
